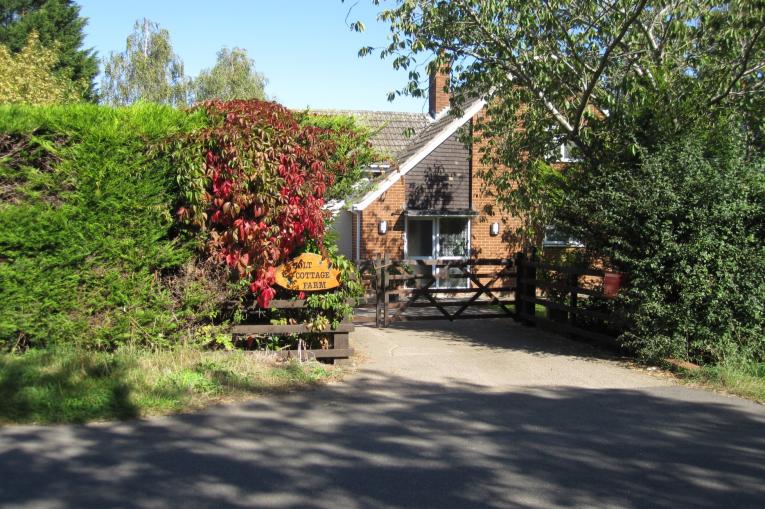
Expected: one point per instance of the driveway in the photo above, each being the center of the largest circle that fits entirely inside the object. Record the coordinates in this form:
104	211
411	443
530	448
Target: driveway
483	413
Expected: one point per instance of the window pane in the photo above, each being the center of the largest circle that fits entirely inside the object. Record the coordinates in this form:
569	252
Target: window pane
419	237
453	237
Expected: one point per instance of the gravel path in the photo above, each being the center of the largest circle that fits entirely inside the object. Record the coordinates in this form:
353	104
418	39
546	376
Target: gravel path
483	413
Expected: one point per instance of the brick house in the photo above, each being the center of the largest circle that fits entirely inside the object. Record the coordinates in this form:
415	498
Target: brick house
428	200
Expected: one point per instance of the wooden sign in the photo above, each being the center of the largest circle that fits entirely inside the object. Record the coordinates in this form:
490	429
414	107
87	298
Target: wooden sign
309	272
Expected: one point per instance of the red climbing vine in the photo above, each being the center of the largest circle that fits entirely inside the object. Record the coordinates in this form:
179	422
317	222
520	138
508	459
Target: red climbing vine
255	179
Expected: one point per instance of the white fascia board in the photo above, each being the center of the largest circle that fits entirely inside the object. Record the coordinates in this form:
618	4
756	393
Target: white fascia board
418	156
334	206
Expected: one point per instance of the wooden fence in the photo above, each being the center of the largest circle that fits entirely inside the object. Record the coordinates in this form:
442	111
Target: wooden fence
567	294
338	344
553	297
395	286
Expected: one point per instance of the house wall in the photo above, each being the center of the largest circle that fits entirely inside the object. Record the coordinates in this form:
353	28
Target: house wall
388	207
482	243
441	181
354	230
342	225
392	205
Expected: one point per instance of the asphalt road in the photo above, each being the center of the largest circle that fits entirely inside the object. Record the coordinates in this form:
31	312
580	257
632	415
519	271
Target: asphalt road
475	414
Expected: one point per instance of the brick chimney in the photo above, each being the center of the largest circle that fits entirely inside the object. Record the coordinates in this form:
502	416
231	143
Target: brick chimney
438	93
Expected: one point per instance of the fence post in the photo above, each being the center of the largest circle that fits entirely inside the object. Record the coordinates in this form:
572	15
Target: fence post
520	270
525	288
574	282
386	263
530	288
378	289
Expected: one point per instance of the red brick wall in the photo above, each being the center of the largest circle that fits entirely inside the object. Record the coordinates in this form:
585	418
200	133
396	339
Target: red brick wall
388	207
438	95
391	205
482	243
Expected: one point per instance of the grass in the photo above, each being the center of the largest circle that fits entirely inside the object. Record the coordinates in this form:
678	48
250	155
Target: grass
745	379
67	385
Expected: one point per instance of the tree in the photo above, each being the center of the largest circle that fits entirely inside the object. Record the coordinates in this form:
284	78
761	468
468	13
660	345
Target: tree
29	76
687	224
147	70
232	77
57	23
663	104
579	69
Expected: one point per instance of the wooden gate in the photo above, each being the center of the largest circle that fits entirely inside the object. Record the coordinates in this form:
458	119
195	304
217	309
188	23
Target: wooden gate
402	290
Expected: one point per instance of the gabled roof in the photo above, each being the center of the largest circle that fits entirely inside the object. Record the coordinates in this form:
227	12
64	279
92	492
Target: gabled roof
393	131
420	146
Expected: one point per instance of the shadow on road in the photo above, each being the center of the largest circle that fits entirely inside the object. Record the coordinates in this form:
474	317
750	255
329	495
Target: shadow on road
386	441
502	334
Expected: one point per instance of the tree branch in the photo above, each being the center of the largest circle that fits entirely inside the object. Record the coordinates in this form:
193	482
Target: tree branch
744	64
603	63
515	70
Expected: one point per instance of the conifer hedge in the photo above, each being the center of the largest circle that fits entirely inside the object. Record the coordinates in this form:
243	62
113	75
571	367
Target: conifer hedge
92	251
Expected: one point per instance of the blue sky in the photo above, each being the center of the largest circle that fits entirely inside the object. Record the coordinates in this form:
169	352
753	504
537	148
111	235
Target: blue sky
303	47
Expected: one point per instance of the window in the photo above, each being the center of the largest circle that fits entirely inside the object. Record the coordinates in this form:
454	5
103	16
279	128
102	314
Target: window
452	237
443	238
564	153
567	150
555	238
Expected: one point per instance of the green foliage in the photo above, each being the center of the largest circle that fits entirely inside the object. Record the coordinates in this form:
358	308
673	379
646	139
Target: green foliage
29	77
662	106
351	143
65	384
687	225
741	377
91	252
232	77
147	70
59	25
86	228
556	66
328	309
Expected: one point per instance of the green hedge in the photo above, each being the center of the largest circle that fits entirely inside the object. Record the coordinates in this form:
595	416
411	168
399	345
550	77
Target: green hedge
86	225
687	224
90	251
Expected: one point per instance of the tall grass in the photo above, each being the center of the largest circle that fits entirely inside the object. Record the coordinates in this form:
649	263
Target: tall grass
65	384
735	376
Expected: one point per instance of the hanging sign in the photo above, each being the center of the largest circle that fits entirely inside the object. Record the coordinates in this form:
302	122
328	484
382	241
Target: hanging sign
309	272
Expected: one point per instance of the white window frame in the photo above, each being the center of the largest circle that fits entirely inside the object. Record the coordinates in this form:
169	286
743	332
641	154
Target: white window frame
562	151
570	242
436	221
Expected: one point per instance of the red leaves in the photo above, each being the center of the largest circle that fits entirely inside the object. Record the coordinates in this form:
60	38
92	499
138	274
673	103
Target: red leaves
267	178
265	297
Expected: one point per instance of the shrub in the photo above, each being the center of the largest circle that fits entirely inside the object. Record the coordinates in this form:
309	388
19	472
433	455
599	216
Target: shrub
258	194
92	251
86	225
687	224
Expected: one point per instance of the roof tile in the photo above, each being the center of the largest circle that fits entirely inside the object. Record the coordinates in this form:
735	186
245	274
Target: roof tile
393	131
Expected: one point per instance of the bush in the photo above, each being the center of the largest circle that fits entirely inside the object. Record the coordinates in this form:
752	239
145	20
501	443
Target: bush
687	224
254	182
91	249
85	225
